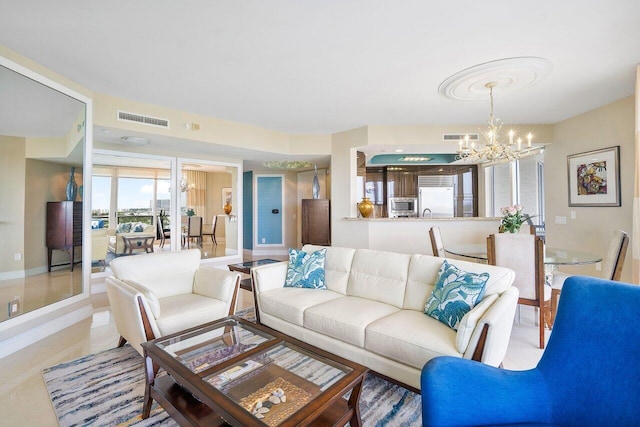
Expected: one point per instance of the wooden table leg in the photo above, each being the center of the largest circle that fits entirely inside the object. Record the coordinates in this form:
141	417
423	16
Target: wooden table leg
354	403
150	371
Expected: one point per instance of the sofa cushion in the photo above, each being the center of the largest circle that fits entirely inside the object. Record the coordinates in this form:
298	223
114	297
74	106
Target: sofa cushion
290	303
379	276
124	227
337	266
411	338
180	312
138	228
346	318
165	273
456	292
422	276
306	270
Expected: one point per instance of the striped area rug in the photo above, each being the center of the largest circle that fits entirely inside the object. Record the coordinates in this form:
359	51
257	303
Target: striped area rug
107	389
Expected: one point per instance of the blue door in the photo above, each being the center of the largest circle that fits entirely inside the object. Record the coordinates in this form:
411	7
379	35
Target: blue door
269	210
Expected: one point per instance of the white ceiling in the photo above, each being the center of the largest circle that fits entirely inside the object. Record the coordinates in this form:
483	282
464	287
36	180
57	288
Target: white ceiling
332	65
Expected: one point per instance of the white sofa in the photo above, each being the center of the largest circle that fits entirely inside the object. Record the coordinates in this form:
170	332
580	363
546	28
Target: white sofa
372	311
116	243
153	295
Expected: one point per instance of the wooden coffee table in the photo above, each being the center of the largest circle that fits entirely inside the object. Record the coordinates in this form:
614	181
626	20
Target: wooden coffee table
138	242
235	372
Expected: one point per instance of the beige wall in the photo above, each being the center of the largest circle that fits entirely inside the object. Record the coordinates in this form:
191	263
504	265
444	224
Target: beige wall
215	183
592	228
12	170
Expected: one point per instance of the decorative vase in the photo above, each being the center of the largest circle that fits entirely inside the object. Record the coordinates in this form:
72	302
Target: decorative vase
72	186
227	208
316	183
365	207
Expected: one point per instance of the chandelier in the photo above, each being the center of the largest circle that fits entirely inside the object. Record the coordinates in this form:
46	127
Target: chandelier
493	149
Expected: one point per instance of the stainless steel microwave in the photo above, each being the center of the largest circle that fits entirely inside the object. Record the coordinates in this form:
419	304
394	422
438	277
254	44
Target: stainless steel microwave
403	207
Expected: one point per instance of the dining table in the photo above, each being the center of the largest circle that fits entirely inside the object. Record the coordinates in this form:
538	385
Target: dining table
552	256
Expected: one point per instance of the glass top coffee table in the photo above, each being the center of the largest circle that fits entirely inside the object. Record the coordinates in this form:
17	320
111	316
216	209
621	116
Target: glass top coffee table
235	372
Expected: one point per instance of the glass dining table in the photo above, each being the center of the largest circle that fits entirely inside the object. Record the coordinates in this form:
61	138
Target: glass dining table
552	256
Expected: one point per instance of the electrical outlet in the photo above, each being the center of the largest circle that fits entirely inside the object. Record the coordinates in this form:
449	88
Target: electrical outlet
573	214
14	307
17	256
264	240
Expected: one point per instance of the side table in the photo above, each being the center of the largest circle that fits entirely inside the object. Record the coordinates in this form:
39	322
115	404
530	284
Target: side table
247	284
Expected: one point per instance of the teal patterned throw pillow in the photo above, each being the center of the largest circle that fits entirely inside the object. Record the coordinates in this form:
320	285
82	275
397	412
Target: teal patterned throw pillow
306	270
455	294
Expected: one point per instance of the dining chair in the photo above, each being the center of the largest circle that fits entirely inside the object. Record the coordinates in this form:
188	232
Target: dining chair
212	233
524	254
437	247
194	231
611	268
162	232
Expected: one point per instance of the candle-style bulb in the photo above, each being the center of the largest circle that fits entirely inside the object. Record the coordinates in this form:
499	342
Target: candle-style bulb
529	140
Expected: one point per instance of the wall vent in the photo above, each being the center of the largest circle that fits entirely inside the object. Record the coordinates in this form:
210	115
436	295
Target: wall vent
143	120
455	137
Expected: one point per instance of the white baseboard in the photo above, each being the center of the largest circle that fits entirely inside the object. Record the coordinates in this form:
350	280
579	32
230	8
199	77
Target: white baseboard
33	335
9	275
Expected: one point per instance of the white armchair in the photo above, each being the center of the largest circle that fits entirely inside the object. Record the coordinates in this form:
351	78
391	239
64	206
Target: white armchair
153	295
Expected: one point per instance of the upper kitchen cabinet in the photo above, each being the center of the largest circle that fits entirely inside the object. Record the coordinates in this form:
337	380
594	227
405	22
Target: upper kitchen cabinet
402	182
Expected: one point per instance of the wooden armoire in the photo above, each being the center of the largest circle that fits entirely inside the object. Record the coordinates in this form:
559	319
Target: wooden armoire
316	222
64	229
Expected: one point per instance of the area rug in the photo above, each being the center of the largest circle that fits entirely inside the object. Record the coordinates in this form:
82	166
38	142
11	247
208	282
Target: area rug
107	389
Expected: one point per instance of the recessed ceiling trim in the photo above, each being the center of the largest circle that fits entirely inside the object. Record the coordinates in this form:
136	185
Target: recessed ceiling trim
509	74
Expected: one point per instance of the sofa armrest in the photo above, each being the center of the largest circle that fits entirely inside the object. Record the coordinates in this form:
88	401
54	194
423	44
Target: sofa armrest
460	392
499	321
131	313
269	276
217	283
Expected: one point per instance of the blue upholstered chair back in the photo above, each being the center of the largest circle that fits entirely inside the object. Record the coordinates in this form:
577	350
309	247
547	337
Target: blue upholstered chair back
592	362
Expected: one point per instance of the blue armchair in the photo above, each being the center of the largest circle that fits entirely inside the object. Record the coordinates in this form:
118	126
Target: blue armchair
589	375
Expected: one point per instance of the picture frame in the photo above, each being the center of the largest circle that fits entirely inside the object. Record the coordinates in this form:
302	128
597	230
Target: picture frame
594	177
226	196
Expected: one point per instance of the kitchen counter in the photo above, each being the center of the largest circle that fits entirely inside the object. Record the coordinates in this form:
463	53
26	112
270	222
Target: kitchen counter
409	235
458	218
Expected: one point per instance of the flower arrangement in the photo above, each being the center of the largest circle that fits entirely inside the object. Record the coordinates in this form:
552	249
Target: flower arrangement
512	218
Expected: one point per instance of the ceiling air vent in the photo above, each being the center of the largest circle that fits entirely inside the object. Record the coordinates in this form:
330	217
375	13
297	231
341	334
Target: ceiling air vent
144	120
455	137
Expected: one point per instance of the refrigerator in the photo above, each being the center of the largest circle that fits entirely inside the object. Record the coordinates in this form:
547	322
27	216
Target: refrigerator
436	202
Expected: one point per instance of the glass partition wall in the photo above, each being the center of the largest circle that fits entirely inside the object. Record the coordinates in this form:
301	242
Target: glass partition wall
136	190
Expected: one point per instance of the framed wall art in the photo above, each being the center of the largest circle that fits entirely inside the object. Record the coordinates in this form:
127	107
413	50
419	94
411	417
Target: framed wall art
594	177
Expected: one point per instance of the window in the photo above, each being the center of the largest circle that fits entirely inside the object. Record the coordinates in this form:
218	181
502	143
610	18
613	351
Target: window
520	181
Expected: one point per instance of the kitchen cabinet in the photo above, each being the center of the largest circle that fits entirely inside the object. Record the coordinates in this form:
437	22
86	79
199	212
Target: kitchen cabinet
316	222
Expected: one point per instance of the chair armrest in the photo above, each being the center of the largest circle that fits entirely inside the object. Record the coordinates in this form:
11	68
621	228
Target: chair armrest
499	318
269	276
460	392
216	283
131	313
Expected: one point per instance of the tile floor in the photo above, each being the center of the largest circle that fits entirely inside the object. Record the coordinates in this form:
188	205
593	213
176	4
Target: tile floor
24	400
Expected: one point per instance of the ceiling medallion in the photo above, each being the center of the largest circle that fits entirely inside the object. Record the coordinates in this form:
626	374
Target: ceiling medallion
509	74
